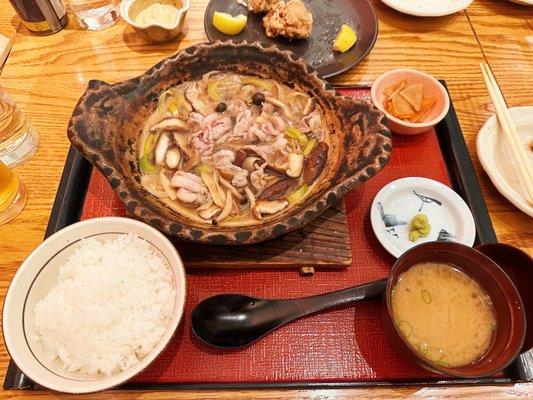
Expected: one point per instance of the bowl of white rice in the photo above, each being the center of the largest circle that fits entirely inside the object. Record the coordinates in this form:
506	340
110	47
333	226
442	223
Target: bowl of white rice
94	305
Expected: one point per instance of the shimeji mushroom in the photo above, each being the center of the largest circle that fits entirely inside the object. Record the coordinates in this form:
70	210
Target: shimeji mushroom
172	158
268	207
161	147
295	165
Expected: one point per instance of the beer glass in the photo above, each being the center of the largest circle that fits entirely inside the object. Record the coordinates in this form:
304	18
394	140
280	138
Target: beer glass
18	140
12	194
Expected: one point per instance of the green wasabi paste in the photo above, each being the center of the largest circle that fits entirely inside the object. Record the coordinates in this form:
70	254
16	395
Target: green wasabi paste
419	227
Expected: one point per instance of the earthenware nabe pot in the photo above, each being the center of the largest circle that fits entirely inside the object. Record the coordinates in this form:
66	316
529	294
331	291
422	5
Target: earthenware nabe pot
108	119
510	330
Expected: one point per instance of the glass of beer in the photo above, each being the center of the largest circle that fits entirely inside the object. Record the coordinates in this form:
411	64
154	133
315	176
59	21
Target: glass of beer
12	194
18	140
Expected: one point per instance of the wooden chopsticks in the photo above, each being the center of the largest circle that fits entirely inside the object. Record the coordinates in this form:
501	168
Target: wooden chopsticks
509	130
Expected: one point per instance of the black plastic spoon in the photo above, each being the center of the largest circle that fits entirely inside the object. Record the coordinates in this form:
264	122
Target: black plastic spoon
234	320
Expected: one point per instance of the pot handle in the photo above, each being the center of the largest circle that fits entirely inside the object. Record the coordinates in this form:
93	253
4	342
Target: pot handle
366	142
96	83
94	122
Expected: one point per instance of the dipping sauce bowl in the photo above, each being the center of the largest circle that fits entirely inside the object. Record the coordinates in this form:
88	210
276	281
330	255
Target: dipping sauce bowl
156	30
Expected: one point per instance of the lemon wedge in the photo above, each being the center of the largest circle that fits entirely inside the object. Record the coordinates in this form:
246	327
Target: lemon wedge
345	39
228	24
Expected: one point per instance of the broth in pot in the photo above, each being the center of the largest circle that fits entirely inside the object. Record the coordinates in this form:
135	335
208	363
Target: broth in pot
232	150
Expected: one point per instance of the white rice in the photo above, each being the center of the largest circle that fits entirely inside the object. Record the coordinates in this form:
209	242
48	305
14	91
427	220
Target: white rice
110	307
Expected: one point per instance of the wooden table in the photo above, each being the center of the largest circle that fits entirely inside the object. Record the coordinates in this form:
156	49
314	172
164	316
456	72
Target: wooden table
46	76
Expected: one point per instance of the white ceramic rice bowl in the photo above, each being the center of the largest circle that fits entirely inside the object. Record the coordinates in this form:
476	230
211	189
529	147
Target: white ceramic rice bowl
37	275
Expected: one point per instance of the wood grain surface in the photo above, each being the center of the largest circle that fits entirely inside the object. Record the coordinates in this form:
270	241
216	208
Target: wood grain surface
46	76
323	243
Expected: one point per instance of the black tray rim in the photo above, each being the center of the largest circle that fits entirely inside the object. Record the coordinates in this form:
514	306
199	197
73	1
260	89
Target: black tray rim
70	198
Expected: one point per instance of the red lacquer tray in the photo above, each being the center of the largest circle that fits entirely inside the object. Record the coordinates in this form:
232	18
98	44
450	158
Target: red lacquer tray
344	346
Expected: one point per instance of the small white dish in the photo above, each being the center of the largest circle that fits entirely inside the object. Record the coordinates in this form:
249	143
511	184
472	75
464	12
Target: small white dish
396	203
496	158
523	2
38	274
428	8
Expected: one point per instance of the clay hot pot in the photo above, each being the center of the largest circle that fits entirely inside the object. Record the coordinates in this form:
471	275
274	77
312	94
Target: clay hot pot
108	119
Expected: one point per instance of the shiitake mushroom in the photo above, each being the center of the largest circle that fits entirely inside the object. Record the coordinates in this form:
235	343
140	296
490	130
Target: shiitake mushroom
315	162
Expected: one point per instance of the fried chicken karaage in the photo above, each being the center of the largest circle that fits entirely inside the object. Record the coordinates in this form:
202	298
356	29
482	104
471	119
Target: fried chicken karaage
291	20
260	6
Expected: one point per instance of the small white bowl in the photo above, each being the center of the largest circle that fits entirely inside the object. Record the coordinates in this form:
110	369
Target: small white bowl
397	202
38	274
425	8
432	88
154	32
497	160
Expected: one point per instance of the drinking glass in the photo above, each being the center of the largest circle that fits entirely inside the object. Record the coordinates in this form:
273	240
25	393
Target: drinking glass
12	194
18	140
95	14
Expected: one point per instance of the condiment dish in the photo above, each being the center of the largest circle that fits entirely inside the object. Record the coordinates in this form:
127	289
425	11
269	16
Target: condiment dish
432	88
399	201
156	31
36	277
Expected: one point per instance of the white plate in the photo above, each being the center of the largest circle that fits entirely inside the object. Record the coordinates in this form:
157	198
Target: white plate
523	2
396	204
496	158
428	8
38	274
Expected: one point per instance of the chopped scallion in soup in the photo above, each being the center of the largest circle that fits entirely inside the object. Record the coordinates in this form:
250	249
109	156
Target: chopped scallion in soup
443	314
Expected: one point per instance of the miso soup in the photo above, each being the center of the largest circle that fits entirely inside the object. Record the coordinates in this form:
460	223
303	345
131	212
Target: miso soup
443	314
